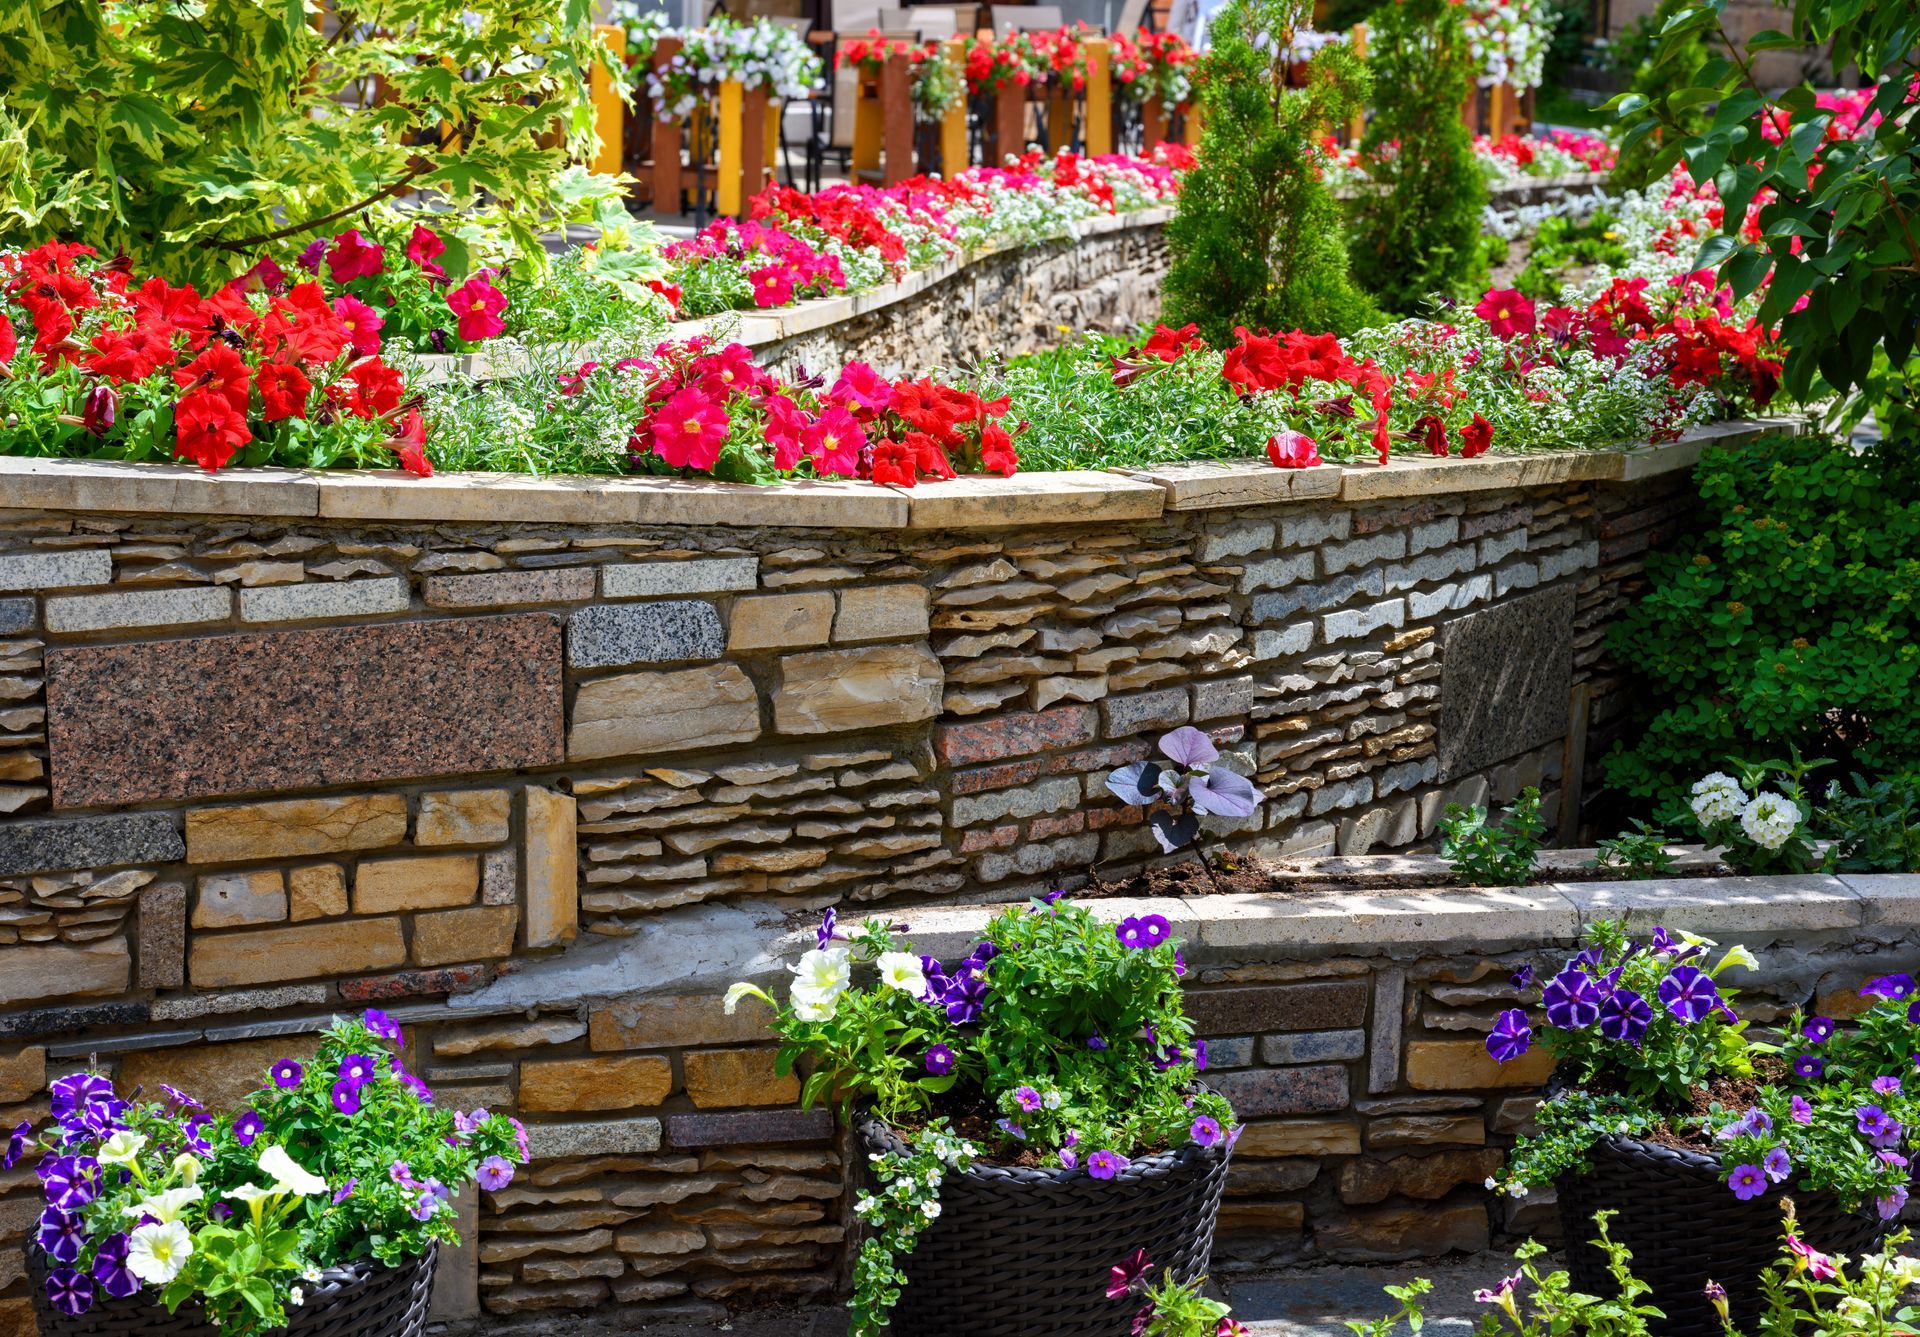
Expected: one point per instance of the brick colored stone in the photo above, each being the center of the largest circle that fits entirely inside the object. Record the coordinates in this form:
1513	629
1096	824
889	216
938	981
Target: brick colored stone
220	1076
580	1084
1299	1137
23	1074
300	952
62	970
162	936
829	691
476	933
415	983
1257	1092
729	1078
419	882
779	621
230	900
881	613
295	828
1424	1177
316	891
1464	1065
349	705
553	868
1318	1006
1162	709
751	1128
665	711
1020	734
674	1021
463	817
982	778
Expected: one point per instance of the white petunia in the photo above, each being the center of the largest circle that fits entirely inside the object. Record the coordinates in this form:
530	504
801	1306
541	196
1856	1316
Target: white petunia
155	1254
165	1207
288	1175
121	1148
744	990
819	979
252	1193
902	971
187	1166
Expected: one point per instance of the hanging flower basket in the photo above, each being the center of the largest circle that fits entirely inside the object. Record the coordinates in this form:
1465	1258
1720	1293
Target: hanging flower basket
363	1298
1022	1251
1685	1229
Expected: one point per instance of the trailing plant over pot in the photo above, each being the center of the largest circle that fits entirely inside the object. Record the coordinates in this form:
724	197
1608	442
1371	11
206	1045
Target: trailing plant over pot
1055	1058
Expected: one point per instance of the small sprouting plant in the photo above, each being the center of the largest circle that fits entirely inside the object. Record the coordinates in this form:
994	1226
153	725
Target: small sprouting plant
1638	855
1407	1297
1170	1307
1758	829
1485	854
1177	795
1875	830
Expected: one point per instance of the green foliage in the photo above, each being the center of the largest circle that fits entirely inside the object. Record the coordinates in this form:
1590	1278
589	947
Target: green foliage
1790	621
1257	239
1173	1308
1488	854
1811	1295
907	1201
1417	228
1637	55
1562	244
1876	827
189	137
1638	855
1839	228
1408	1310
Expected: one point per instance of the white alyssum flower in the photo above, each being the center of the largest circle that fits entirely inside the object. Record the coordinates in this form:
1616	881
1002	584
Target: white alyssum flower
902	971
1770	820
288	1175
1717	798
165	1207
156	1253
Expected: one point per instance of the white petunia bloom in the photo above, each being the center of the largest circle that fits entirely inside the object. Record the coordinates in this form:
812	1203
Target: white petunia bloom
187	1166
122	1148
251	1193
1770	820
744	990
156	1253
1717	798
288	1175
819	979
165	1207
902	971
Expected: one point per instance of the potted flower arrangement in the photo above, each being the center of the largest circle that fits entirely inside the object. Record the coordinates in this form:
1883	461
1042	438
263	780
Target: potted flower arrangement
316	1207
1017	1108
1663	1110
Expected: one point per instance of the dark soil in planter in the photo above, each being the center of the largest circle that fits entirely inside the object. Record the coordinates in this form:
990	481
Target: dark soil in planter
1184	875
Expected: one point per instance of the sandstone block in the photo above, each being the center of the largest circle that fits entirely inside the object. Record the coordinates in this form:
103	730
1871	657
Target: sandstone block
671	1022
300	952
553	868
731	1078
220	1076
548	1085
1391	1233
317	891
1464	1065
780	621
61	970
463	817
229	900
833	690
23	1075
1427	1130
295	828
881	613
1424	1177
476	933
421	882
667	711
1299	1137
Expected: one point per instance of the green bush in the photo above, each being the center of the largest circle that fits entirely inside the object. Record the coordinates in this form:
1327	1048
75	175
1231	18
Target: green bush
1417	235
189	137
1257	239
1634	55
1790	620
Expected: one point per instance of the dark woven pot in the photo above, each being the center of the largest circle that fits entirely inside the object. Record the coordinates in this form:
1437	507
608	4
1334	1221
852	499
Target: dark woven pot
360	1299
1686	1228
1018	1252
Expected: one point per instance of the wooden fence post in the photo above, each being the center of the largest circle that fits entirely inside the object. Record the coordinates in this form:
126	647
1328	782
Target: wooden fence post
666	141
1099	96
896	118
1357	123
1059	114
866	126
1153	124
753	149
727	202
1009	122
609	112
953	128
1192	126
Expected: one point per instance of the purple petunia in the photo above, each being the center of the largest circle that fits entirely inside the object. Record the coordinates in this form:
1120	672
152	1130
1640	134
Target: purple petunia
382	1025
1662	943
16	1144
1777	1164
110	1268
935	973
357	1069
180	1098
1097	1042
829	922
1747	1182
1895	987
495	1173
1802	1111
1522	977
70	1292
287	1074
346	1096
60	1235
1027	1099
1205	1131
1510	1036
1199	1055
1810	1066
1625	1016
402	1174
1877	1126
70	1182
345	1191
1130	932
1106	1164
965	996
247	1127
1886	1086
72	1094
1818	1030
1572	1000
1068	1159
939	1060
1689	994
1889	1206
1011	1129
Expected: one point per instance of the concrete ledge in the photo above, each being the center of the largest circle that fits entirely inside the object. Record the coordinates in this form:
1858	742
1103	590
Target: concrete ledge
1069	496
115	485
1213	484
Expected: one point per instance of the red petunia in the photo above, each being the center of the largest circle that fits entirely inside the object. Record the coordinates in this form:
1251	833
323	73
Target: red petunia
1507	312
834	441
1168	344
1475	437
9	341
1430	432
425	248
410	444
997	454
377	389
207	428
127	355
689	430
928	455
1293	450
863	389
477	305
1256	363
361	323
316	332
222	370
352	257
893	462
283	391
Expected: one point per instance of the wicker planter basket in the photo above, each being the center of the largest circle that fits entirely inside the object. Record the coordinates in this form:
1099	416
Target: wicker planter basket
1686	1228
360	1299
1018	1252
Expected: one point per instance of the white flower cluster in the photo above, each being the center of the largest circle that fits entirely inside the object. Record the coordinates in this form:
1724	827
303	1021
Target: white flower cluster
1770	820
1509	40
1717	798
760	54
1524	220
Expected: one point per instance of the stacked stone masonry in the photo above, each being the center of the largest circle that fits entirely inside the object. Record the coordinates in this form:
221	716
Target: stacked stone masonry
542	790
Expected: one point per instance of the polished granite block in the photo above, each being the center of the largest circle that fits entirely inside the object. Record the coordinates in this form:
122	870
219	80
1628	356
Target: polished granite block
276	711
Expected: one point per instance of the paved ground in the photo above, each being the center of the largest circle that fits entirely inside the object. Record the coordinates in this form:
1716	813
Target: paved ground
1298	1302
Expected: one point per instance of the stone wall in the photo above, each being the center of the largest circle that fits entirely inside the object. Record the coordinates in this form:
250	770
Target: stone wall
539	776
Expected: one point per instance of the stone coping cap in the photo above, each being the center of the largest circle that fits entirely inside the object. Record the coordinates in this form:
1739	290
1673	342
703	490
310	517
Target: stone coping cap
1071	496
